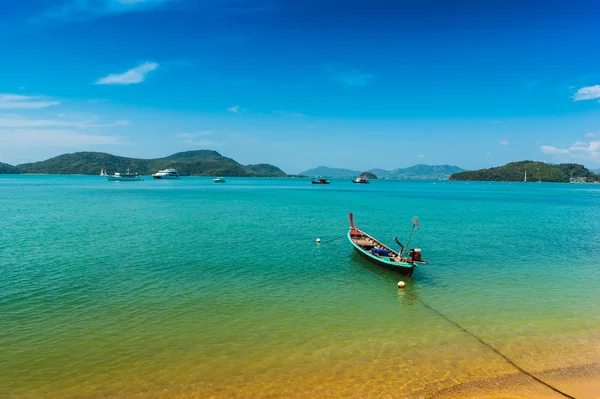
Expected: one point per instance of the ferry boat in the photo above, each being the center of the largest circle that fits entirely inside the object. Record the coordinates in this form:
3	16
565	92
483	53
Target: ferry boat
219	180
361	180
127	176
166	174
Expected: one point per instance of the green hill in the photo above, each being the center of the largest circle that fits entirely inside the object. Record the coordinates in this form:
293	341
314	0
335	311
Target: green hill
330	172
189	163
6	169
536	171
264	169
437	172
369	175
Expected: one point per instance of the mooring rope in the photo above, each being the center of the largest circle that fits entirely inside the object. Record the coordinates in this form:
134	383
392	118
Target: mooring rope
333	239
566	395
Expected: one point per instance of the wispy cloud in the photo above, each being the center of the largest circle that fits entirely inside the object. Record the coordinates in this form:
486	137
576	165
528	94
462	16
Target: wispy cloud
349	77
204	143
503	142
36	138
18	101
236	109
592	134
133	76
587	93
548	149
18	122
81	10
421	156
289	114
192	135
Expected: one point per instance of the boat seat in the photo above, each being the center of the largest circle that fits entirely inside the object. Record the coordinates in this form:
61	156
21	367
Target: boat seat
363	242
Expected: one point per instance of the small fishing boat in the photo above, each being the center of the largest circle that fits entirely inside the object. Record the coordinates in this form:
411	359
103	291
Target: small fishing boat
361	180
382	255
320	180
219	180
127	176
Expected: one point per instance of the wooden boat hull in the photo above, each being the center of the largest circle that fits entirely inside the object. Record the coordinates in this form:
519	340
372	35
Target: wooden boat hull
404	268
318	182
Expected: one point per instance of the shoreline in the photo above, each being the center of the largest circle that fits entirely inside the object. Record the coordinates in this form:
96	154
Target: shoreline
581	382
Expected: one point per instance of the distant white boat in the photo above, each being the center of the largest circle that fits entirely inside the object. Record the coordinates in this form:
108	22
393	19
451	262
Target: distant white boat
166	174
127	176
219	180
103	173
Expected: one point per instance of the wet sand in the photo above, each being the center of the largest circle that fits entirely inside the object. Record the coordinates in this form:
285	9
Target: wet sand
581	382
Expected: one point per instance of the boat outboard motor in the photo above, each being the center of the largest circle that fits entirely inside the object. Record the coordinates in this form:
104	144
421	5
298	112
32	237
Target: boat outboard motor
399	243
415	254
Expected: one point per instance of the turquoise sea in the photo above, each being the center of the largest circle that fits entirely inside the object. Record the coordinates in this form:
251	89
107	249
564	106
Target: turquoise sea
190	289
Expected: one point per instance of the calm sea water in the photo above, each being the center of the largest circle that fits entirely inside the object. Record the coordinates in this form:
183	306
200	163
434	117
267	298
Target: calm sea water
186	288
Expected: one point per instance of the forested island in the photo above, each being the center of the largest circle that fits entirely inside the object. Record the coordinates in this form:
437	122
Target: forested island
188	163
536	171
416	172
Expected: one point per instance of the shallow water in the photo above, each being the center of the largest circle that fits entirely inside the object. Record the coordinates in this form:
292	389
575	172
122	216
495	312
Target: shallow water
192	289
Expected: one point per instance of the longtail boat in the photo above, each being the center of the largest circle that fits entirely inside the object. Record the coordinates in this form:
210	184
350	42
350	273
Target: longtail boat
382	255
321	180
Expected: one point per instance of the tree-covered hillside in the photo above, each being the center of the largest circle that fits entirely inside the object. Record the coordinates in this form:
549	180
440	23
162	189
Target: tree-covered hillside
536	171
6	169
189	163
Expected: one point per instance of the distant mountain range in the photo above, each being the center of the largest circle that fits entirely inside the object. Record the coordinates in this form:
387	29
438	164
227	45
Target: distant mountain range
433	172
189	163
536	171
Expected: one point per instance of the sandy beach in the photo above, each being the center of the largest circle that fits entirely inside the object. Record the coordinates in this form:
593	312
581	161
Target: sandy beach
581	382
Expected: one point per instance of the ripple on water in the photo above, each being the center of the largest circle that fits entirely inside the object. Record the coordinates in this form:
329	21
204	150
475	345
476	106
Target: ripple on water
190	290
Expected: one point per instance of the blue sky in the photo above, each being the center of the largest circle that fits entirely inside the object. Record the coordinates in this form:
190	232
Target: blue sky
356	84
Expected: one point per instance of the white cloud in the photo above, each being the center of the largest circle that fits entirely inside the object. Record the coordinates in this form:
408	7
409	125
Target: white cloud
192	135
18	101
578	149
235	109
548	149
420	156
592	134
36	138
204	143
18	121
81	10
132	76
587	93
503	142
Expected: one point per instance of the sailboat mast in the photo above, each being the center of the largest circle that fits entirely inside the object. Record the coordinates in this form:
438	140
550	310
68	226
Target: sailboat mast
525	176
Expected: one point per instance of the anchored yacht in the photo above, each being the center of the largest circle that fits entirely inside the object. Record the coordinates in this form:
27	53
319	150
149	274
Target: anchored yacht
166	174
127	176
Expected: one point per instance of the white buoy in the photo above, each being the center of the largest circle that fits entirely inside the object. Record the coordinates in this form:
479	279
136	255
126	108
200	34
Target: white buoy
401	284
318	240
